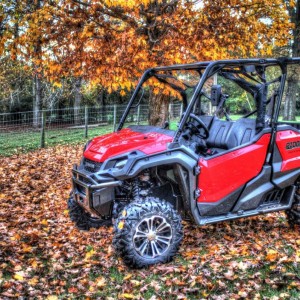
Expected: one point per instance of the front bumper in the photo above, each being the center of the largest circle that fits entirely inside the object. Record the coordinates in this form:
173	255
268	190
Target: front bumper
96	198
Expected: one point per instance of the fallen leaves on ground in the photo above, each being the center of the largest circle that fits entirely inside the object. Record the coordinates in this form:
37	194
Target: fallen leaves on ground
43	256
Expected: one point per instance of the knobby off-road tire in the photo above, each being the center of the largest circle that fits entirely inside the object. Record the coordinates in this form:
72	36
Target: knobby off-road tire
147	232
293	214
82	219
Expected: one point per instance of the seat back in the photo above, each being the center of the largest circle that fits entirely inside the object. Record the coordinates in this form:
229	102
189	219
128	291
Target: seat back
242	131
218	134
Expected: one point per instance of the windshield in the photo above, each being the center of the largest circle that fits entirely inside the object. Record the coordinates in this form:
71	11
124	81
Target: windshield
162	97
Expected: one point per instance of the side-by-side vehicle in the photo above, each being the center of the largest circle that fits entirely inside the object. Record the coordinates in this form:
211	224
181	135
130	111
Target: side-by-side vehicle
232	155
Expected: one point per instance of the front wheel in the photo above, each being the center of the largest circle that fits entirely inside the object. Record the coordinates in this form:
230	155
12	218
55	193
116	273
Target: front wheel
147	232
82	219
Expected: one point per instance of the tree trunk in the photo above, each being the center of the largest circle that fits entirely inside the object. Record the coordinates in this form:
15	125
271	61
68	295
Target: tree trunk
77	101
290	100
295	18
101	102
158	109
37	101
289	113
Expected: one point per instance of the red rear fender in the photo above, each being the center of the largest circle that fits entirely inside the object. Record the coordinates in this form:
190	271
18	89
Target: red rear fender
288	143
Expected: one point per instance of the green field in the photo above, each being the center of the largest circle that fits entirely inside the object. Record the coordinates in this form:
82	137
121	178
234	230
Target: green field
18	142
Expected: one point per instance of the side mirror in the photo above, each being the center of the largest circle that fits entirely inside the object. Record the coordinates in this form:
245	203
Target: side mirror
216	93
166	125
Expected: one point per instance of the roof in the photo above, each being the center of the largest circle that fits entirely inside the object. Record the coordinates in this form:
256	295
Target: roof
231	62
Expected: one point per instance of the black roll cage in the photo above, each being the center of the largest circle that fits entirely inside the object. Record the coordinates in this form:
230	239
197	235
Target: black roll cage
210	68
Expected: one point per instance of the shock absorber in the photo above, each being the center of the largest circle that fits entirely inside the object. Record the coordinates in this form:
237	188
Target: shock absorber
136	189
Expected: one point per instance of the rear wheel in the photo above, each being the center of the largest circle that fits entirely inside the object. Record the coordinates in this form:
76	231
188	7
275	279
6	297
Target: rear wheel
82	219
293	214
147	232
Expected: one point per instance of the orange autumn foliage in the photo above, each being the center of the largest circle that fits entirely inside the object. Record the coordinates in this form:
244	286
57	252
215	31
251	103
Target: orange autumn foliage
112	42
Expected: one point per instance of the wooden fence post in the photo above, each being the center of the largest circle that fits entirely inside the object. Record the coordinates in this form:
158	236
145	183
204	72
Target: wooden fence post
181	109
138	114
170	116
86	121
115	116
42	144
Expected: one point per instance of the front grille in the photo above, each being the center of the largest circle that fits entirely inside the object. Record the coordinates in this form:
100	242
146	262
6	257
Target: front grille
91	166
84	179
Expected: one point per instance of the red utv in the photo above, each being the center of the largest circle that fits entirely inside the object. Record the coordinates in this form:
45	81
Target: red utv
231	156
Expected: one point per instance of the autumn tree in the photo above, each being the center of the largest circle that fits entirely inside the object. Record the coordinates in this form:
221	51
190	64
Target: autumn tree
110	43
15	85
19	19
289	112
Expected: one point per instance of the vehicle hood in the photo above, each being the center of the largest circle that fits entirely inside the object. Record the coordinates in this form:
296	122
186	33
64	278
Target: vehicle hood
124	141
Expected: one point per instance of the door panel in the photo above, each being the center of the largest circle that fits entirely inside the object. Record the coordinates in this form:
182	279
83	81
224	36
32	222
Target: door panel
222	175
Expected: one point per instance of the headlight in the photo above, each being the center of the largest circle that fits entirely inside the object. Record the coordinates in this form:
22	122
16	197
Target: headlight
121	163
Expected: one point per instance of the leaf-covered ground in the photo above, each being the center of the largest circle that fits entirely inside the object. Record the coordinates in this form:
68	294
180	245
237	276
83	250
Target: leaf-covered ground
42	255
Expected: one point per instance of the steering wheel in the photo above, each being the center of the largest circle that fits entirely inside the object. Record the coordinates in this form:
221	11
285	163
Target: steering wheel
200	125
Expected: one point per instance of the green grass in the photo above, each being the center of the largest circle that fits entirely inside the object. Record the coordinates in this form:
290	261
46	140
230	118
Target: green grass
20	142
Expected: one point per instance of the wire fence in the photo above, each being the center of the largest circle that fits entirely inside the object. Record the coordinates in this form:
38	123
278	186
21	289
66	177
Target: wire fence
30	130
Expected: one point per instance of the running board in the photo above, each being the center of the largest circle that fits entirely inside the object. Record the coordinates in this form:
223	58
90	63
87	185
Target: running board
264	209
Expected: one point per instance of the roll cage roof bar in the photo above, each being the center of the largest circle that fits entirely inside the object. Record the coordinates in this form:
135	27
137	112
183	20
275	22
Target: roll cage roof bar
211	68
